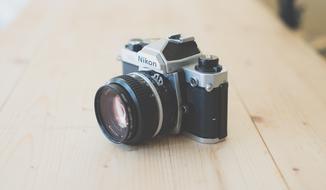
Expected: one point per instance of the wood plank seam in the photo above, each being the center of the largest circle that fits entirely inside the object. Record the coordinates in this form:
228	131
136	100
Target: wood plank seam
260	135
2	104
43	35
19	79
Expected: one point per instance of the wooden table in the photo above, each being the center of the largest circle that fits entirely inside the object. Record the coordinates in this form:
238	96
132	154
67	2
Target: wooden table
56	54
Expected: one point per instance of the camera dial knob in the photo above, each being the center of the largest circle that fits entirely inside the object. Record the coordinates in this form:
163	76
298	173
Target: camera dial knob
135	45
175	37
208	64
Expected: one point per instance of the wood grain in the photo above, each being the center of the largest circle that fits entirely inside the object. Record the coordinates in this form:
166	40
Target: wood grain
49	137
20	41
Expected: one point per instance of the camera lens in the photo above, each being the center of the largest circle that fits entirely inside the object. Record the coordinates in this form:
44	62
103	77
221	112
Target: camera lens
113	111
133	108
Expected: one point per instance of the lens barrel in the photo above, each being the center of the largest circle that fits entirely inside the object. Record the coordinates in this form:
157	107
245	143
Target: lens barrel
133	108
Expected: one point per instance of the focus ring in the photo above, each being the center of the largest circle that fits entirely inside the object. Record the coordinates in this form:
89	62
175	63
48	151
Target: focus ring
167	97
153	87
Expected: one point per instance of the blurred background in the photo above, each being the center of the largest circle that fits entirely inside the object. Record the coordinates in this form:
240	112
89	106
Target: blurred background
9	9
305	17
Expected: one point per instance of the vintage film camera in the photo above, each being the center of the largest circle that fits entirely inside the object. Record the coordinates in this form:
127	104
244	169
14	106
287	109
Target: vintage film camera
168	86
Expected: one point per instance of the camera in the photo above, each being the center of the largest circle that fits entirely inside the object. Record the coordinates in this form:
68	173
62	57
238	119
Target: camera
168	87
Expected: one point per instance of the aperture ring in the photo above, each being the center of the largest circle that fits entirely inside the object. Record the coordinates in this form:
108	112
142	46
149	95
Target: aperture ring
157	97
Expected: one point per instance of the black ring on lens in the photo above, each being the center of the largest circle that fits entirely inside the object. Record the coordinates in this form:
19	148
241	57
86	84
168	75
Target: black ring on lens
167	95
143	106
143	109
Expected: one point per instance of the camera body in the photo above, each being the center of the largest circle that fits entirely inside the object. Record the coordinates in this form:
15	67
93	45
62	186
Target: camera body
199	84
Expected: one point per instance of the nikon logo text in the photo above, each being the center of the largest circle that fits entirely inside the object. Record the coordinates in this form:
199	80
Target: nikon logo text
147	61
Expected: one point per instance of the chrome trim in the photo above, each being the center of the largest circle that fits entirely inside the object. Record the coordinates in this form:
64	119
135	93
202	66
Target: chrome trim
209	81
202	140
174	79
174	65
153	51
158	100
181	39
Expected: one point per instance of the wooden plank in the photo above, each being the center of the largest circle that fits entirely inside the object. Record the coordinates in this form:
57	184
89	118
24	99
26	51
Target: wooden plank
75	157
50	139
281	82
19	41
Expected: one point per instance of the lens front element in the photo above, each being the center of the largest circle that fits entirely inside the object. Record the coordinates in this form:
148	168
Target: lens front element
119	112
113	113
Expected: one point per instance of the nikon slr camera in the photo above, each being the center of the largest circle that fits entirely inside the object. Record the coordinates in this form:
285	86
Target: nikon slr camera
168	87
